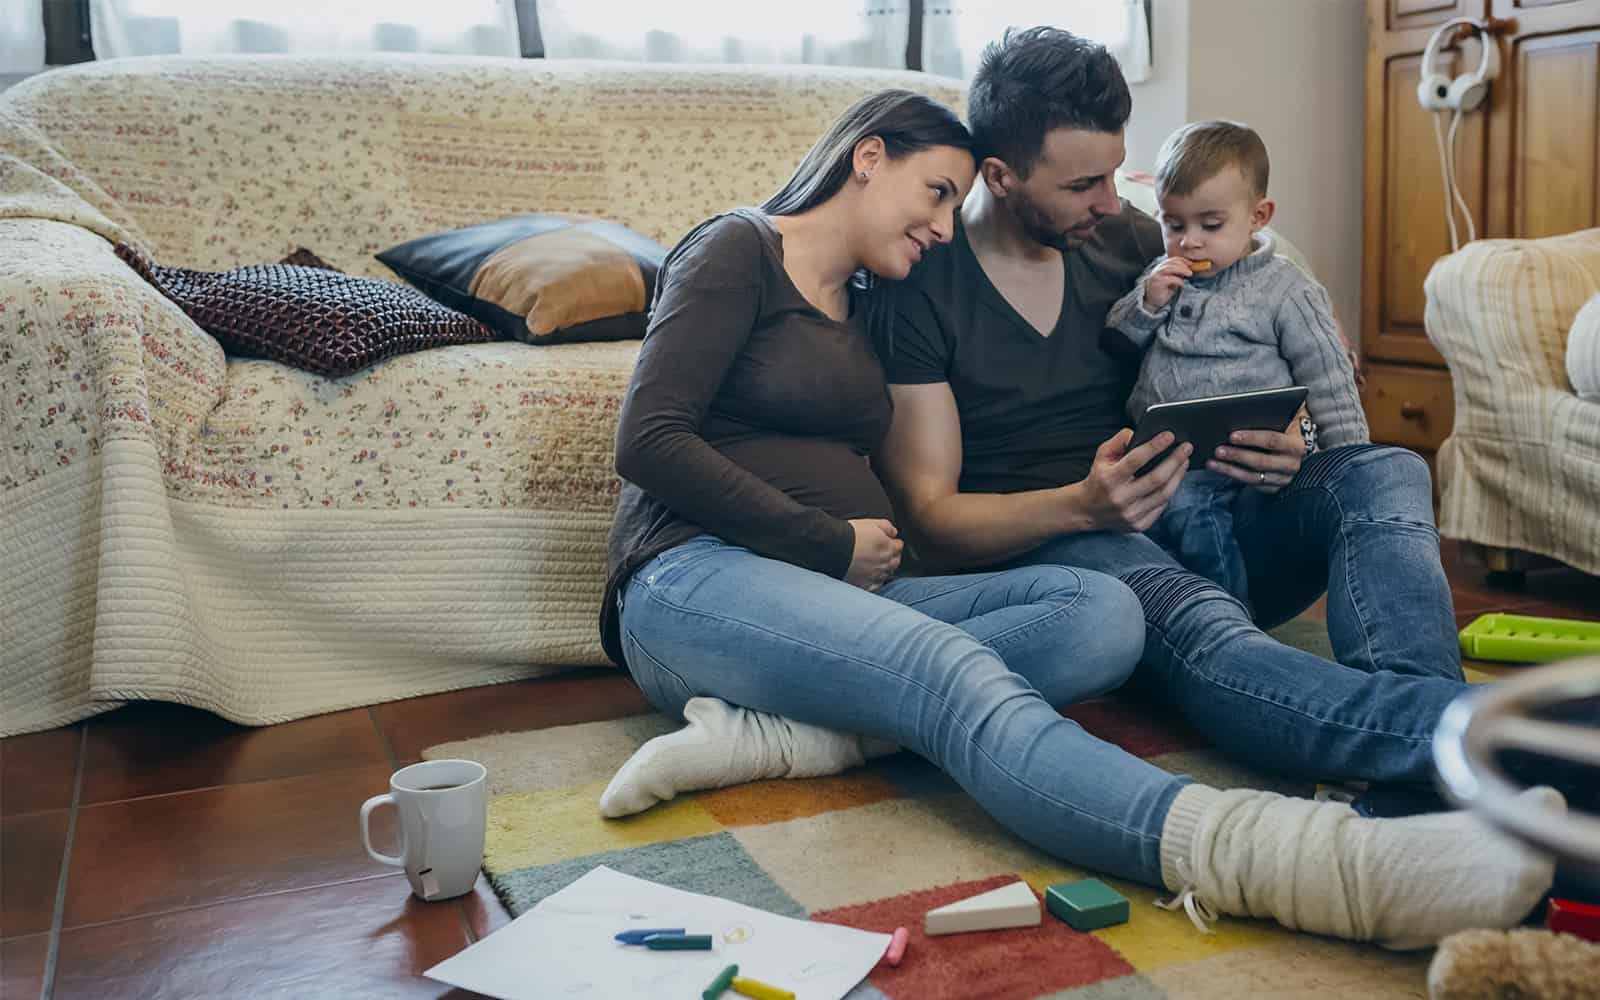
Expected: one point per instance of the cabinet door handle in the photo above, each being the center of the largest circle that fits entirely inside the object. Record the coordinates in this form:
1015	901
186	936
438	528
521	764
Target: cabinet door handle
1412	411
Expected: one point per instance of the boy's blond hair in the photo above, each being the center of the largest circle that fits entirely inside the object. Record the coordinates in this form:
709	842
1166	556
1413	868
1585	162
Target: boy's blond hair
1200	150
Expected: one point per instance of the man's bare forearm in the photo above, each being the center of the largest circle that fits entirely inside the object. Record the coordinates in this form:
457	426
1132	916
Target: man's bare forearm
979	529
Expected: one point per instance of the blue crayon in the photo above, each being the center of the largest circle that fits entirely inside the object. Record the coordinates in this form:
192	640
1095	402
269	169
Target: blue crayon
638	936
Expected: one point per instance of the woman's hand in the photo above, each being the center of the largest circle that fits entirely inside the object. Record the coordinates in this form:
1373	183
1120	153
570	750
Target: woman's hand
877	554
1264	460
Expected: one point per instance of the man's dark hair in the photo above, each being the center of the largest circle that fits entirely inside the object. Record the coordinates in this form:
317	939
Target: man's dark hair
1038	79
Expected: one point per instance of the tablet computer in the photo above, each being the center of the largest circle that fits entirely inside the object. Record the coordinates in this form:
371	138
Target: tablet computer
1206	423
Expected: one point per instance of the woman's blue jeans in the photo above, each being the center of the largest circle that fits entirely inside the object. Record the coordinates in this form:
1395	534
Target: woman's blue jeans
965	670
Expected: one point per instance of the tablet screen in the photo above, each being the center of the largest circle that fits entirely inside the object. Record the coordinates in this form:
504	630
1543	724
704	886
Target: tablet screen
1207	422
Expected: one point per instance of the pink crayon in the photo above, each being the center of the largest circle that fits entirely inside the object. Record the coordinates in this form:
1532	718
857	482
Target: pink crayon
897	946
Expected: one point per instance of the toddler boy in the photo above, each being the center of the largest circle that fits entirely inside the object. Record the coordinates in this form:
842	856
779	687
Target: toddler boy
1221	313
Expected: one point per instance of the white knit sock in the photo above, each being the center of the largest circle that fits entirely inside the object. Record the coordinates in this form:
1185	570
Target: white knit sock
1318	866
725	745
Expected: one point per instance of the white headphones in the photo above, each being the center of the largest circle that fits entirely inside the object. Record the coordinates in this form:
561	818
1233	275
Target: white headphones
1438	92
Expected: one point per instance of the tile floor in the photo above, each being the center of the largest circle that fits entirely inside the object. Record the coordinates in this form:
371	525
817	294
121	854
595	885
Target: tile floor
157	851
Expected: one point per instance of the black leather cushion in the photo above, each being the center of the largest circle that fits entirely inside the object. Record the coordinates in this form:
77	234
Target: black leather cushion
544	279
308	315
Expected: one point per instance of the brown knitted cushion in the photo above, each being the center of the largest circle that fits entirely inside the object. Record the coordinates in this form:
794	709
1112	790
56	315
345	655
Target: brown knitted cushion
305	258
308	315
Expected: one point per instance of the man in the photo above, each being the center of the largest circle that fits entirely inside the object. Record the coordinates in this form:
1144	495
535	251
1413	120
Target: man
1009	448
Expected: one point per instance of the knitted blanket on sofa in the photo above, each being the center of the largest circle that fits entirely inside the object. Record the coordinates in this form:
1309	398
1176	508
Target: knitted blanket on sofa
266	543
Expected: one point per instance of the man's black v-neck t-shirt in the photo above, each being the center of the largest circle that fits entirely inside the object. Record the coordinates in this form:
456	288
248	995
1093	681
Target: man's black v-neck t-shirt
1033	408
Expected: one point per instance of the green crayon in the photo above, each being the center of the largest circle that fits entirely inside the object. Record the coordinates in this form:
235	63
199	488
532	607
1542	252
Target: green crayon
678	942
720	983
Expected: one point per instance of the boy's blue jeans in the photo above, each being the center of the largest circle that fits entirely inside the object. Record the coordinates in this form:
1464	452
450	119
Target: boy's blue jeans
1197	529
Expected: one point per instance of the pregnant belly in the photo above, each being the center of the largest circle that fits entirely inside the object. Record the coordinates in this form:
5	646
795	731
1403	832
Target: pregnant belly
828	475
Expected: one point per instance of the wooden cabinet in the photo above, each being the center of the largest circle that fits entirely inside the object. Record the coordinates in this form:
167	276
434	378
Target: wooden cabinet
1409	405
1527	162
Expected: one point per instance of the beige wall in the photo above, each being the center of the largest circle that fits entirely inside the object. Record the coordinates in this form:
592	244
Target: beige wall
1294	70
1161	103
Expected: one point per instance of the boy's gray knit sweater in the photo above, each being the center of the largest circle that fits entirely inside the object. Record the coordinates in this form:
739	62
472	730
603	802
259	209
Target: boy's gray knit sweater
1261	323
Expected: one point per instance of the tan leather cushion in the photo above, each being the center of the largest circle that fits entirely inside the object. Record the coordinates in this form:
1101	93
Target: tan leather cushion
545	279
561	279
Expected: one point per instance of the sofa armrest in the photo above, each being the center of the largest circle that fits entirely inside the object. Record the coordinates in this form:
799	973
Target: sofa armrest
1499	310
1583	352
91	352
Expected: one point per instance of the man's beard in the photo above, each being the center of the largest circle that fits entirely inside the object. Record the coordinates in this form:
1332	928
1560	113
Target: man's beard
1038	226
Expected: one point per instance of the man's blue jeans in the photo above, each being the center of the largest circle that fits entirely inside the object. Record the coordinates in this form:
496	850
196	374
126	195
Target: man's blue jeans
1357	522
964	670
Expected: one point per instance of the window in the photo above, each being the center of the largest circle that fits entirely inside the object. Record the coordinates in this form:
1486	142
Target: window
21	37
940	36
839	32
954	33
151	27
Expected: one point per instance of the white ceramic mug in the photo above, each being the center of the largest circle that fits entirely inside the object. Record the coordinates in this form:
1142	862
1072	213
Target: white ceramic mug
443	807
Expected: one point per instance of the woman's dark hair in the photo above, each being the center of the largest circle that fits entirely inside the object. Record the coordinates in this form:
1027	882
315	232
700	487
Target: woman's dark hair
906	122
1038	79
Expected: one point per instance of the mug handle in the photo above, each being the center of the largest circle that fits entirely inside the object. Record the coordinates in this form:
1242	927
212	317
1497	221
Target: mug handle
366	832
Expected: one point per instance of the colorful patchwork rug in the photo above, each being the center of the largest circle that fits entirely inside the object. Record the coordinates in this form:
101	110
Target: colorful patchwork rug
879	846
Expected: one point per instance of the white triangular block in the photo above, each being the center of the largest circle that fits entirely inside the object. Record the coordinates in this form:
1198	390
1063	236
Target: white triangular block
1012	905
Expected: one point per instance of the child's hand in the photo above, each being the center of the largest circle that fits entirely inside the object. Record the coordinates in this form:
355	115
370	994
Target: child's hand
1164	282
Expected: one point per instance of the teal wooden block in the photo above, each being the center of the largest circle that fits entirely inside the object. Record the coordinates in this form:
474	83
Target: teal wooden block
1087	905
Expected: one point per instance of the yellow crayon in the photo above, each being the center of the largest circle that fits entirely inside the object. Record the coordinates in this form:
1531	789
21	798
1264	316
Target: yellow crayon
761	991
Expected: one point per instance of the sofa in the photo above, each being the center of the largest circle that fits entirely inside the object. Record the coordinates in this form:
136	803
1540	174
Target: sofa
1519	474
267	544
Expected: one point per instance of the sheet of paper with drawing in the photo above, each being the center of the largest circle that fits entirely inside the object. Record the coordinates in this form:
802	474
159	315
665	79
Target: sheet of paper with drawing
565	947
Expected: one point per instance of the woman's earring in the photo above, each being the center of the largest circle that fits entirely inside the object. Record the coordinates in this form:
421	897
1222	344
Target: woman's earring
863	175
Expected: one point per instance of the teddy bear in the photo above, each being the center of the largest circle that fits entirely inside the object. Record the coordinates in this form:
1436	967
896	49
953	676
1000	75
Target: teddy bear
1520	964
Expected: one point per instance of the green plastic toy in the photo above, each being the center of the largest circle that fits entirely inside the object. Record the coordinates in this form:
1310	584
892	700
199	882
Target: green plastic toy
1087	905
1526	639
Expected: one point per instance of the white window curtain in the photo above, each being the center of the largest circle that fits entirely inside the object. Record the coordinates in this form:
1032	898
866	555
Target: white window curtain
833	32
21	37
954	34
153	27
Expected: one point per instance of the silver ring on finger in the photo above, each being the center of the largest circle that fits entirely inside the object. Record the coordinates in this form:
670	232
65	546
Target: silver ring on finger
1263	480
